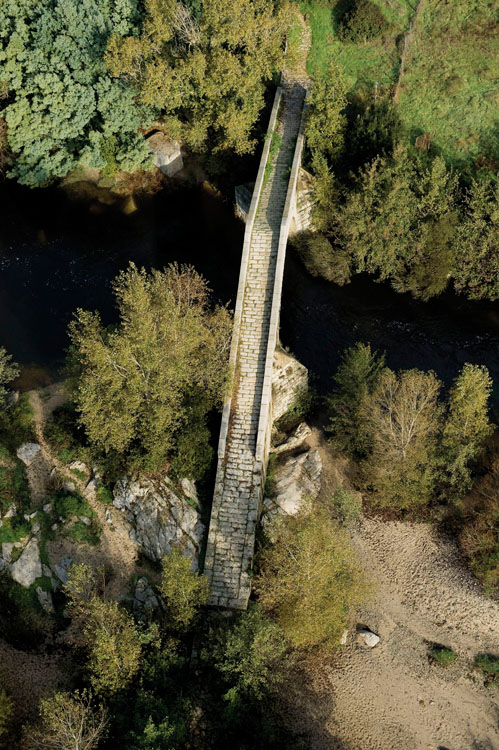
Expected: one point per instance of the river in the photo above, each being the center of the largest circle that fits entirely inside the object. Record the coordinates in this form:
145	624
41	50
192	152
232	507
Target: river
58	254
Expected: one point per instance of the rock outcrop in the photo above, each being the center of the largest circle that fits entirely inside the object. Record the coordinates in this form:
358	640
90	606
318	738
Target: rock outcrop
289	378
28	567
296	482
27	452
160	516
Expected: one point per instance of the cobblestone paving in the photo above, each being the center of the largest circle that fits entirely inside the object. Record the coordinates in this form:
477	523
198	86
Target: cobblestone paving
237	496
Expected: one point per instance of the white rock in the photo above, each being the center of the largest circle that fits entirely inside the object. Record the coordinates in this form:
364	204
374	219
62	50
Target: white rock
344	638
27	452
28	567
78	466
289	377
368	638
7	548
47	508
69	487
160	518
10	512
167	153
296	482
108	516
62	569
86	520
296	439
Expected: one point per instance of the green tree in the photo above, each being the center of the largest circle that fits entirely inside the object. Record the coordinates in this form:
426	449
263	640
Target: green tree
63	106
400	222
141	387
204	66
8	371
249	655
467	424
355	378
401	420
183	590
326	121
309	579
69	721
477	252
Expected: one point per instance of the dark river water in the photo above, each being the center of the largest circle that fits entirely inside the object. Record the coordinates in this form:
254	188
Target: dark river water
57	255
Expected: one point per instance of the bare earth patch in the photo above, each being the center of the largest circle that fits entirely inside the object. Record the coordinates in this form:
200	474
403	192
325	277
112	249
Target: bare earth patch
391	696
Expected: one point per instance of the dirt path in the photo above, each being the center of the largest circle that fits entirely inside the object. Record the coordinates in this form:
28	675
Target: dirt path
116	550
407	43
391	696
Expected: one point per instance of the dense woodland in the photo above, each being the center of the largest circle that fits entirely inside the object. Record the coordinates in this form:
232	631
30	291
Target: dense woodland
402	193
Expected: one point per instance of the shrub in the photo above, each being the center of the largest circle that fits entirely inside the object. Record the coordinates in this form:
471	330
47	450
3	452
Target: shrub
364	21
489	665
6	711
442	656
72	505
320	259
347	506
183	590
104	494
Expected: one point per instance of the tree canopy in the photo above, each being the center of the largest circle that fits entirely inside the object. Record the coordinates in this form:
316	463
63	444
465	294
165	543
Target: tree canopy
144	387
62	107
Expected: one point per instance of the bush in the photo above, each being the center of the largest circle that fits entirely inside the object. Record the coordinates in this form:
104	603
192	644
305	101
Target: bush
72	505
320	259
489	665
442	656
364	21
183	590
347	506
13	485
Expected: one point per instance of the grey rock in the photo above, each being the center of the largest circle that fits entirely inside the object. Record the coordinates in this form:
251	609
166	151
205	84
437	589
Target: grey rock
69	487
108	516
86	520
35	528
79	466
294	441
167	153
27	452
45	599
161	519
62	569
10	512
344	638
289	378
367	638
47	508
28	567
145	600
296	482
54	526
7	548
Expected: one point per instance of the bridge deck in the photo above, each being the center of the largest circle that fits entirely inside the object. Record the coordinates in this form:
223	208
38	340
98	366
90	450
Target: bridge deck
237	496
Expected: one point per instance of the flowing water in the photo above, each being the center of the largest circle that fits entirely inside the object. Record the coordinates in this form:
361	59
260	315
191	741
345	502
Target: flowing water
57	254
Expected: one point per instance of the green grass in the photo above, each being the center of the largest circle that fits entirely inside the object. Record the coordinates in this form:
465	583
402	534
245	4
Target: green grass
84	534
14	530
450	85
71	505
448	89
442	656
275	145
13	485
489	665
104	494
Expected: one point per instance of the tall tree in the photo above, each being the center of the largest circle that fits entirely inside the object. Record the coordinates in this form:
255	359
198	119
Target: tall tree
477	252
325	118
183	590
68	721
401	420
309	578
63	108
354	380
467	424
204	66
144	388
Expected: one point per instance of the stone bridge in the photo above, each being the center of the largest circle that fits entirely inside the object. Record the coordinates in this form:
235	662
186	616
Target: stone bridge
244	441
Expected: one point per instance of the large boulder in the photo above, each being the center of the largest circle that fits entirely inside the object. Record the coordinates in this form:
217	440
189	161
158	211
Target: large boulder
161	516
27	452
167	155
29	566
296	482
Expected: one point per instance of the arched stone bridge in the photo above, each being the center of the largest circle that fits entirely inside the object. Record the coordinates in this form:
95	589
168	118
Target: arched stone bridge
244	442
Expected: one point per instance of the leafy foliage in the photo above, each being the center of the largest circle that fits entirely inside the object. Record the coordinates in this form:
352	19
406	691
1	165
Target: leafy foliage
442	656
204	67
69	720
325	119
364	20
249	656
63	107
183	590
8	371
6	712
143	386
309	578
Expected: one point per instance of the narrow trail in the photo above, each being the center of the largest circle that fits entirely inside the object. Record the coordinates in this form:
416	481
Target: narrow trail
407	43
115	551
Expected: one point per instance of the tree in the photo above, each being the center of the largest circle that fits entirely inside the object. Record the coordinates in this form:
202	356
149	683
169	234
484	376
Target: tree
249	656
467	424
70	721
477	254
357	374
309	579
325	121
401	420
183	590
8	371
108	633
144	388
400	222
63	108
204	66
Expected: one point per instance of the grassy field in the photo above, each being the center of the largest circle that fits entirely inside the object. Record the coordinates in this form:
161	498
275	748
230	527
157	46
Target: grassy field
448	86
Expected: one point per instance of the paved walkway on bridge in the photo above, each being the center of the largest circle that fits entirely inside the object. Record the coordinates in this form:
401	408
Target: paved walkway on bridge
237	497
